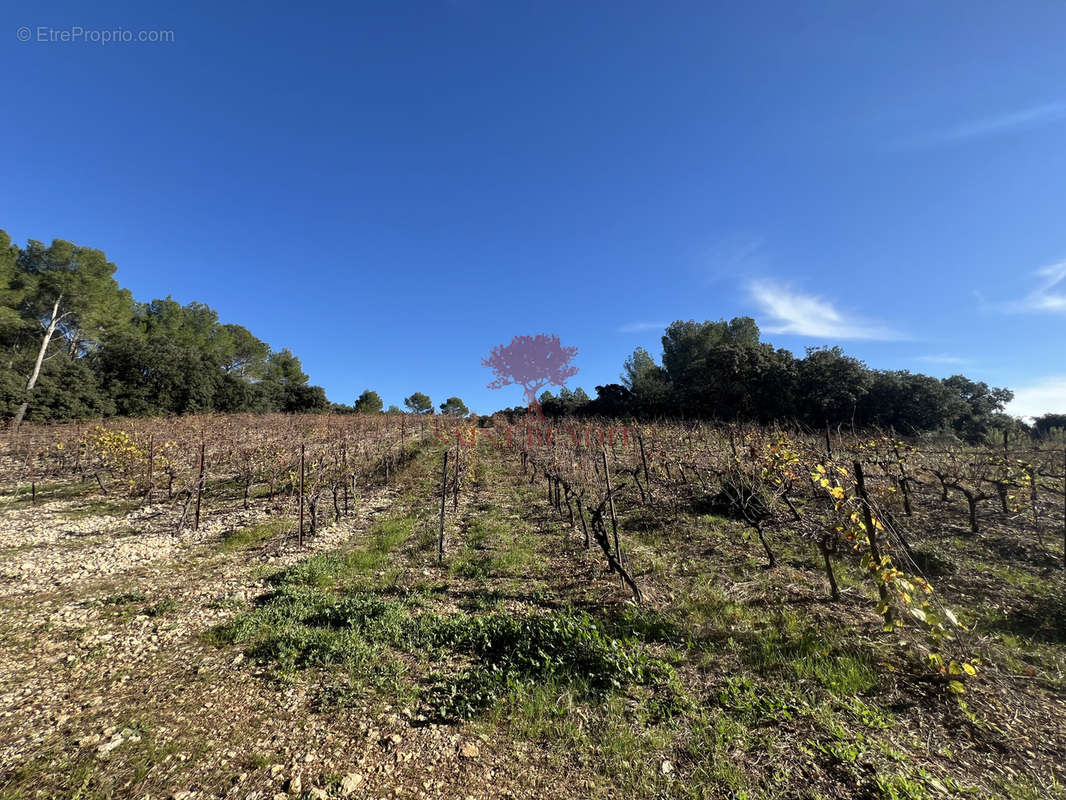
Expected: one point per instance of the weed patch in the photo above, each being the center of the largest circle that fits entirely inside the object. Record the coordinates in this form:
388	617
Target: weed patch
514	651
244	538
303	625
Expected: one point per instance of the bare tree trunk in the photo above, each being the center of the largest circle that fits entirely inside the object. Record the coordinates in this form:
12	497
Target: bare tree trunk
636	480
871	535
1036	510
834	590
600	534
51	329
971	502
584	524
765	544
902	482
1001	490
614	521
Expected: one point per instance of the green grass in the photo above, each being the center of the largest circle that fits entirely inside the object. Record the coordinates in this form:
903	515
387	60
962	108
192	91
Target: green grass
317	616
81	774
253	535
334	611
339	567
103	508
302	625
63	490
497	548
1020	578
161	608
733	681
122	598
514	651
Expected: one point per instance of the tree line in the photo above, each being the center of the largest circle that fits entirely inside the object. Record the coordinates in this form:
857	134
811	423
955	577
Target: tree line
724	371
75	344
370	402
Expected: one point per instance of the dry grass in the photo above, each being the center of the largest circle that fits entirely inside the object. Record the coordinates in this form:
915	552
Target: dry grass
215	681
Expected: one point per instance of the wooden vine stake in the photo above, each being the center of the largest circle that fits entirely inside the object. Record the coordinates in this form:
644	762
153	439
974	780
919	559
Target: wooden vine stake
29	470
443	500
458	461
151	467
871	535
199	486
301	495
644	463
904	485
344	473
614	520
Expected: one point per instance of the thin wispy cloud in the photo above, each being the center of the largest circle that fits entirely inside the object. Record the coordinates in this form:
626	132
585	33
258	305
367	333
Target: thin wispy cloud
997	125
1047	295
639	327
807	315
735	255
1045	396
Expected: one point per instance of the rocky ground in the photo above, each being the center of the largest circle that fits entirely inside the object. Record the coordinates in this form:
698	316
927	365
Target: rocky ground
107	685
115	684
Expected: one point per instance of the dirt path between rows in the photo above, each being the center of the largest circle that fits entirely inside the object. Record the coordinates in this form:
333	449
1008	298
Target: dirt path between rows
108	688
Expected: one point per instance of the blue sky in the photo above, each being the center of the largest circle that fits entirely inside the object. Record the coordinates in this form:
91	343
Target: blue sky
391	189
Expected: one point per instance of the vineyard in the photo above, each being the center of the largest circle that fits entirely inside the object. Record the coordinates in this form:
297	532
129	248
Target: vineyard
402	605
